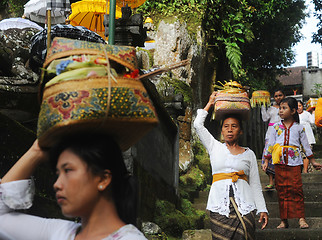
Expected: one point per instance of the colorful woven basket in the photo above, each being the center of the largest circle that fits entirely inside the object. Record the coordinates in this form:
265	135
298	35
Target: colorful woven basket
311	104
64	47
318	113
260	97
84	105
232	103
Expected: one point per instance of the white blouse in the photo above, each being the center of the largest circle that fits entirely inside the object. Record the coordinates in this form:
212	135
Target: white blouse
307	119
294	135
19	226
248	195
271	115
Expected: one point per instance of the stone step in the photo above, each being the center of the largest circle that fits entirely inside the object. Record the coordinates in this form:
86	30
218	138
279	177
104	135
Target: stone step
309	195
314	223
306	177
312	209
288	234
202	234
306	186
270	232
266	234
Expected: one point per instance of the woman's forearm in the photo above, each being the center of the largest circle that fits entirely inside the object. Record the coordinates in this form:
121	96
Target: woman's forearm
26	165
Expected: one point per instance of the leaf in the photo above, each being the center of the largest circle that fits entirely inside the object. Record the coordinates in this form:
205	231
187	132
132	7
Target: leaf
238	31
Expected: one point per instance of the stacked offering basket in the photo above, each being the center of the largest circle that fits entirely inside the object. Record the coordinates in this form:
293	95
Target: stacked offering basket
260	97
232	99
84	105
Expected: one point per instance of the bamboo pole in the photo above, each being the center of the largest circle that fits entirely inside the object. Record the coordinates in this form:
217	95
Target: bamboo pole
111	27
48	29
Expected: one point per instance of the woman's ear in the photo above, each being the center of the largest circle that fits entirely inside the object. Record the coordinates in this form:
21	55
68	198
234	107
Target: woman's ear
105	181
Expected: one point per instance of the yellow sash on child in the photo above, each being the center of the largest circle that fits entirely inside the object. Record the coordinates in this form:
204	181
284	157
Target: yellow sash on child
277	152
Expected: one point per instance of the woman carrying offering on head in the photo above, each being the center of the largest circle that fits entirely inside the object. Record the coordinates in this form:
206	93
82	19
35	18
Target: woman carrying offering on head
271	115
92	184
284	148
306	119
236	191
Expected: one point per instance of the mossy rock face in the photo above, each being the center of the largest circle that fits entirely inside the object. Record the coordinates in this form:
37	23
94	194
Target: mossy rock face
193	181
174	221
201	158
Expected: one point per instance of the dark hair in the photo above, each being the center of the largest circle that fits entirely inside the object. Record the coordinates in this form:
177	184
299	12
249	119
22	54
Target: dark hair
236	116
278	90
100	152
292	103
301	102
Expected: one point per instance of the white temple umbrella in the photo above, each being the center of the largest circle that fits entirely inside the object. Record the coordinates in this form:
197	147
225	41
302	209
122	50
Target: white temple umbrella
48	12
20	23
36	10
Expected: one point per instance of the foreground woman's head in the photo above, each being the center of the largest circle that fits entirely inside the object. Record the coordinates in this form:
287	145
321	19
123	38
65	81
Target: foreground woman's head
90	167
231	128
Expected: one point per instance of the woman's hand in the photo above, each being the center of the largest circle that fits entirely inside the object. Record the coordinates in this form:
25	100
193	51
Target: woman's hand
38	152
316	165
211	101
265	165
263	218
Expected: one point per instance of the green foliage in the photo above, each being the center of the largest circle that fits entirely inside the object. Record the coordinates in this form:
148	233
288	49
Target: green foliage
317	37
251	39
317	89
191	11
3	3
256	37
271	50
16	6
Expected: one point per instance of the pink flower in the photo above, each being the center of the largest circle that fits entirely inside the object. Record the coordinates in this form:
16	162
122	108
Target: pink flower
291	152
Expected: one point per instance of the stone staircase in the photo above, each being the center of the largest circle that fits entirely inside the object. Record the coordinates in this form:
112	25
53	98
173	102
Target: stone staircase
312	187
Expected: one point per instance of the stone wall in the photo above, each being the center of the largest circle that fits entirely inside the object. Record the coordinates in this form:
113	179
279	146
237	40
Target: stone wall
310	77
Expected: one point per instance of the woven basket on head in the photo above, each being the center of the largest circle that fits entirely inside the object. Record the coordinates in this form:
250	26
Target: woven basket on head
227	103
84	105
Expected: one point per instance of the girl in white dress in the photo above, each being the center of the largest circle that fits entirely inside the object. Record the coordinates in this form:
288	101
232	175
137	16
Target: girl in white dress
306	119
92	184
284	147
271	115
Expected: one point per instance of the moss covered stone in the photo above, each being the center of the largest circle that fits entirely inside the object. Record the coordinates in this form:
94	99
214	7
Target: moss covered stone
174	221
201	158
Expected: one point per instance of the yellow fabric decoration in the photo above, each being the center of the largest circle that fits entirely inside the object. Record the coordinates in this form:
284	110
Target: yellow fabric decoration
234	176
277	152
318	113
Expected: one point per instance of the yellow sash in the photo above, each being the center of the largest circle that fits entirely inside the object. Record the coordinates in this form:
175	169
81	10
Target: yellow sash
277	152
234	176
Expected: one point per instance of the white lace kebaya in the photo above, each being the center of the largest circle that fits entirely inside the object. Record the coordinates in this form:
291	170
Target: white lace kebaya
248	195
18	226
